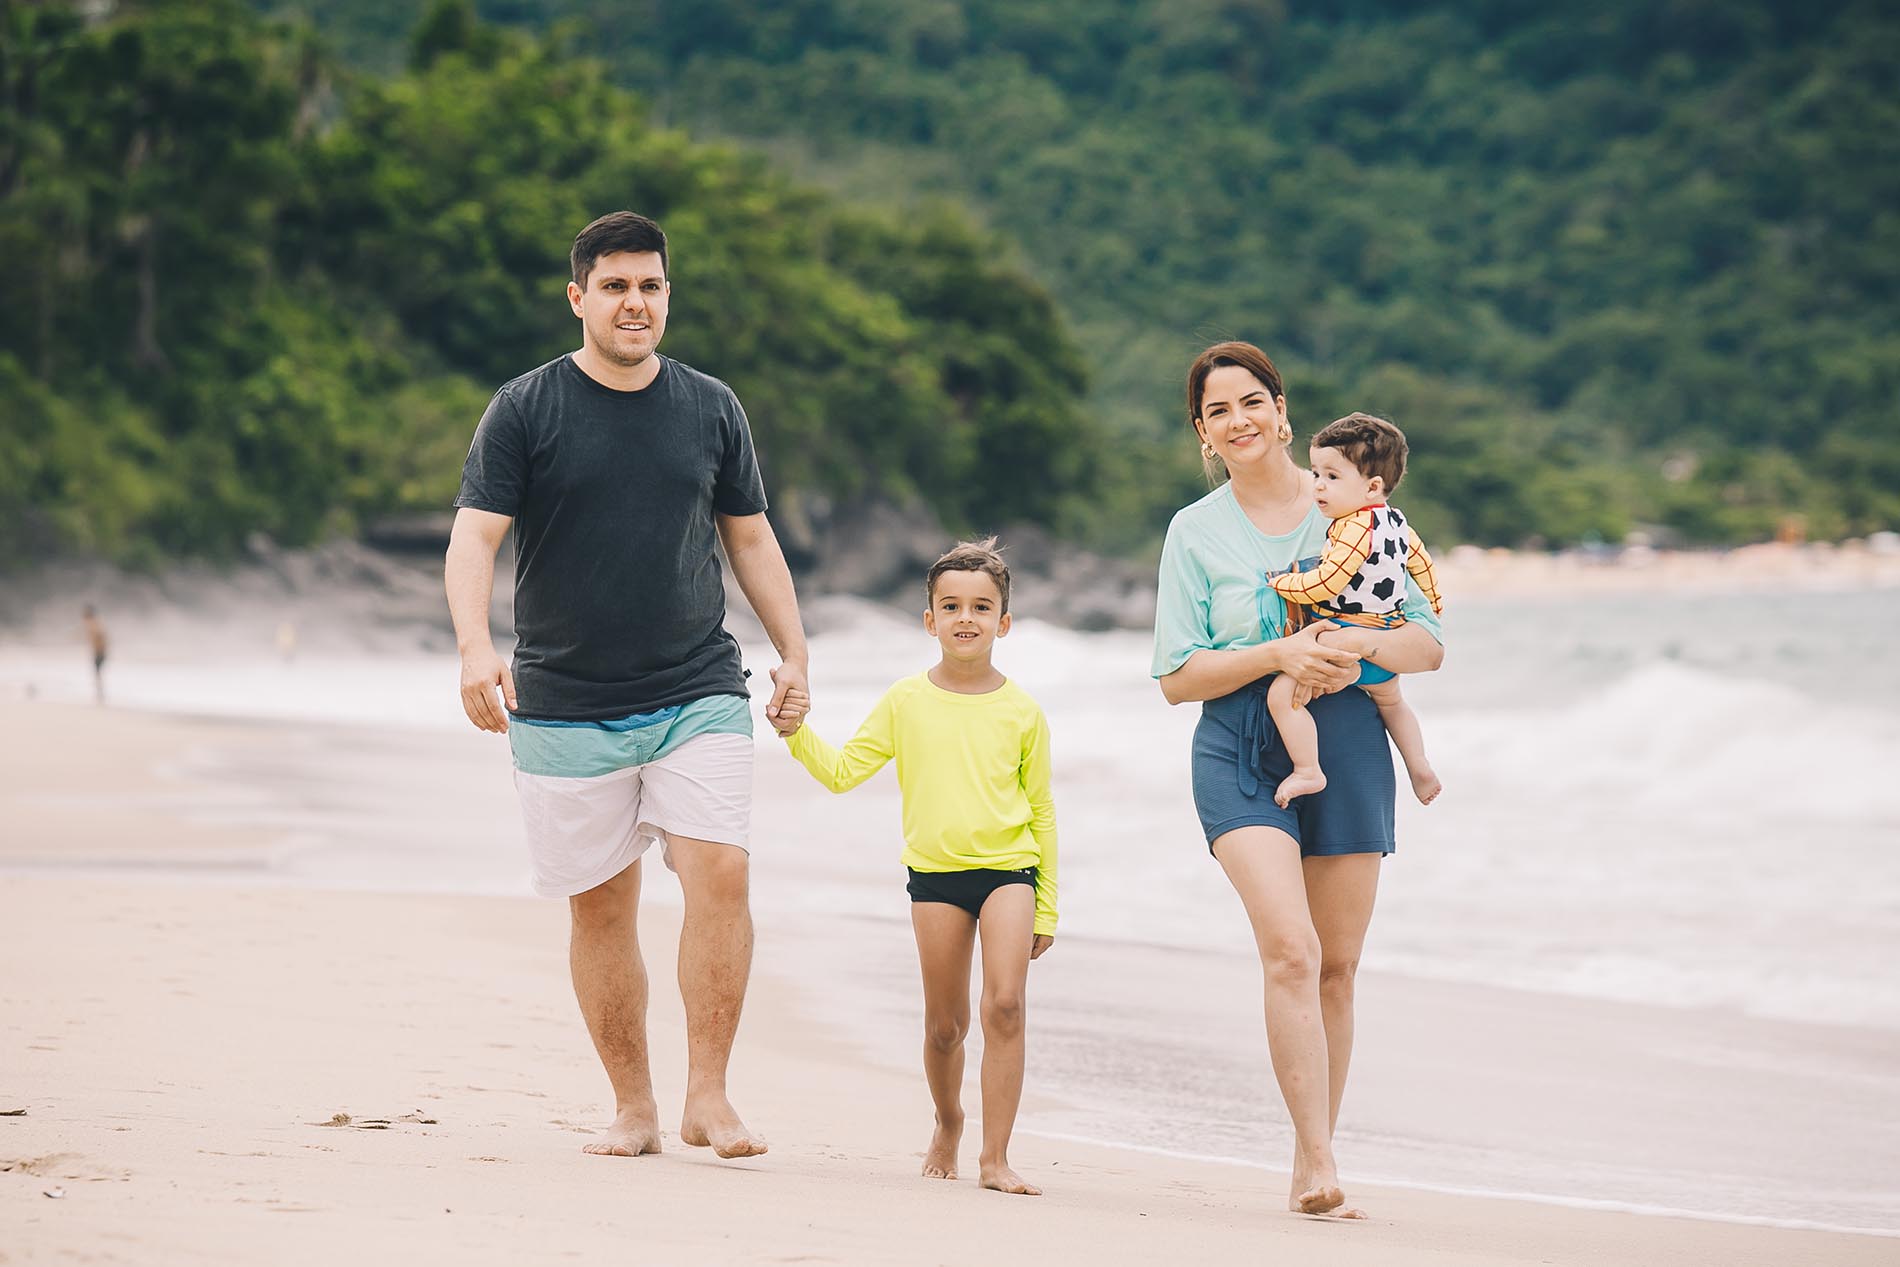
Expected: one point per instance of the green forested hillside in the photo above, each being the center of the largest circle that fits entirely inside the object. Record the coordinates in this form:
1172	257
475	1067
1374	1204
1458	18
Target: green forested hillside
1636	261
248	292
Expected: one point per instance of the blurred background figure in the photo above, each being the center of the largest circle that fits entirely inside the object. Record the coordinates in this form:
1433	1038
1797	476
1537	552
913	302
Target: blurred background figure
287	641
96	641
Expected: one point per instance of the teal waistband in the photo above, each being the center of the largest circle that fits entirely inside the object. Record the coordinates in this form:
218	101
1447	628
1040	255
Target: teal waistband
589	749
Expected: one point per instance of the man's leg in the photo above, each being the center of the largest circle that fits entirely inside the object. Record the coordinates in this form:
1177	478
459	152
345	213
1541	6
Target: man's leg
610	980
715	960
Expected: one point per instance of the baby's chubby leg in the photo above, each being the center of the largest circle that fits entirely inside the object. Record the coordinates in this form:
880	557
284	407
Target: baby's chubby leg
1301	738
1402	724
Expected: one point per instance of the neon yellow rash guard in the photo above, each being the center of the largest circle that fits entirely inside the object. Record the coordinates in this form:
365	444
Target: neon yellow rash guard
974	773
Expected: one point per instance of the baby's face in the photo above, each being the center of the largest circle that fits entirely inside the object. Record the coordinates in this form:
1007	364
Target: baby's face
1338	487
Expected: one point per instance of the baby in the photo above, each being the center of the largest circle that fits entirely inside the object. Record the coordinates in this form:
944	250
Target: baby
1357	462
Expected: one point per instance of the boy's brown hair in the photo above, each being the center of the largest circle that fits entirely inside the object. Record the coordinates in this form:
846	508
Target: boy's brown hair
1373	445
970	556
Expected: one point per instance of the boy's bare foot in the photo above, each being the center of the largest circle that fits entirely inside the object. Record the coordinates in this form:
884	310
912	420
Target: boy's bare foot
1002	1179
1300	783
941	1161
1425	785
710	1122
633	1131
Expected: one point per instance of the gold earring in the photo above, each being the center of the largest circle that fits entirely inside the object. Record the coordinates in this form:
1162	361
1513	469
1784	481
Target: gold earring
1284	431
1207	451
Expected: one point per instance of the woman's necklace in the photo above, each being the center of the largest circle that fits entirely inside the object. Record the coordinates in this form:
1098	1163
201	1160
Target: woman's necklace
1271	510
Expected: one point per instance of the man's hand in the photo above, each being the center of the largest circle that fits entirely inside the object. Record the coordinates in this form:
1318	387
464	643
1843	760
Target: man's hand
482	672
1039	943
791	698
791	713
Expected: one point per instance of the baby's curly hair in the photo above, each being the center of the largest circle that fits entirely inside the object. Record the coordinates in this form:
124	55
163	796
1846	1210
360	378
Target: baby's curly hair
1373	445
983	556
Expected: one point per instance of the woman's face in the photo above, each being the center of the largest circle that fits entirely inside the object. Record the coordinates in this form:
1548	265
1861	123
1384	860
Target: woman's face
1240	417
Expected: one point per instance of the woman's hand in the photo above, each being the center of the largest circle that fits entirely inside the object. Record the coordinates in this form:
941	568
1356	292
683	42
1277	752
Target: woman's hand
1316	669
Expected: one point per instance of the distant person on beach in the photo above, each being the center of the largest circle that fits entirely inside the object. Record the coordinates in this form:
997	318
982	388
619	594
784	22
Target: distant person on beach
1360	581
620	471
97	642
1306	873
972	753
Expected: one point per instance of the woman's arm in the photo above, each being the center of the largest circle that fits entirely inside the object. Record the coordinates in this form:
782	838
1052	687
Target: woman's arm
1408	649
1209	674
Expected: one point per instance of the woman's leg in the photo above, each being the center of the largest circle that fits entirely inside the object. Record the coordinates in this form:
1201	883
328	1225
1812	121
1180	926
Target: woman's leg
1402	724
1008	923
1263	865
1340	893
945	936
1301	738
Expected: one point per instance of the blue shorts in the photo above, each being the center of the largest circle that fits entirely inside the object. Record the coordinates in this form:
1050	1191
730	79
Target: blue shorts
1370	674
1239	762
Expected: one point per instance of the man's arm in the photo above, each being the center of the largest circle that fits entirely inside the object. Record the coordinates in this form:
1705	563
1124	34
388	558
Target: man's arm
469	576
759	566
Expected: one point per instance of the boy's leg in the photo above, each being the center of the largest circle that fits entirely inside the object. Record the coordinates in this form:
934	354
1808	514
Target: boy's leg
1008	923
610	981
945	936
1402	724
1301	738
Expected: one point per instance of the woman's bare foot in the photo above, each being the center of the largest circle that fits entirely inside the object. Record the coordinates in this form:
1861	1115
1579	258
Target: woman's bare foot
1002	1179
1300	783
710	1122
941	1161
1316	1193
633	1131
1425	785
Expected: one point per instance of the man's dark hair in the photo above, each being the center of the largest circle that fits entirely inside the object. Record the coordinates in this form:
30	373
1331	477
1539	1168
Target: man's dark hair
613	232
1373	445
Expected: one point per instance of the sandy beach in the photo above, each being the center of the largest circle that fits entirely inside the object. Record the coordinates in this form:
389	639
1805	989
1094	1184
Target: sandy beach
204	1066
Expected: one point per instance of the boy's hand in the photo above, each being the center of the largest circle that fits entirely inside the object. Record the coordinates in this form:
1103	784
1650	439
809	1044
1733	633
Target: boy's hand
1039	943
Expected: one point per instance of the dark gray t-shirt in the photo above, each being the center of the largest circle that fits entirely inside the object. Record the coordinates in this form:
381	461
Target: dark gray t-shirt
620	604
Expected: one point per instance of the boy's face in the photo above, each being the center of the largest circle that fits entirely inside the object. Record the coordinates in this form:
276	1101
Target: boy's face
966	616
1339	488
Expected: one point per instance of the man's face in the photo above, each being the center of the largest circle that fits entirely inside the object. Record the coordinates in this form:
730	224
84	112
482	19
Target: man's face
623	309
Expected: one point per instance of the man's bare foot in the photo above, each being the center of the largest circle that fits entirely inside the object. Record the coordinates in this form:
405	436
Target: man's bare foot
710	1122
632	1132
1002	1179
941	1161
1300	783
1425	785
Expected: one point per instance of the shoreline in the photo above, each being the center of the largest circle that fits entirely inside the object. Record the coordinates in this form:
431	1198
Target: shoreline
802	948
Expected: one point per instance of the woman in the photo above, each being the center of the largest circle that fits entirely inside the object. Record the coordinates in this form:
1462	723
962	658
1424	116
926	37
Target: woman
1307	874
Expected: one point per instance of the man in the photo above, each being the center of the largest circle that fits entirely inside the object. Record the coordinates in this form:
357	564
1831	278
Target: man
626	707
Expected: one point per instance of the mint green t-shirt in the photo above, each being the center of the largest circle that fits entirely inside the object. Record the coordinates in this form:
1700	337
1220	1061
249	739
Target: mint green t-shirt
1214	573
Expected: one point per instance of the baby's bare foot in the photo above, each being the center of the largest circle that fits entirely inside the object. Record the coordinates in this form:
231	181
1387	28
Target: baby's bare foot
941	1161
710	1122
1300	783
1002	1179
1425	785
633	1131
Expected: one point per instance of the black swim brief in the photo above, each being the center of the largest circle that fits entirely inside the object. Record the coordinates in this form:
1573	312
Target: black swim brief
965	889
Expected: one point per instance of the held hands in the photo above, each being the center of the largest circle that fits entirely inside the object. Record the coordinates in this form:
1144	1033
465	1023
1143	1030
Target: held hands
482	672
791	699
1039	943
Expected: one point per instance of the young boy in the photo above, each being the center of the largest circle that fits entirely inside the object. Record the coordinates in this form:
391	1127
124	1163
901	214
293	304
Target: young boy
1357	462
972	751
